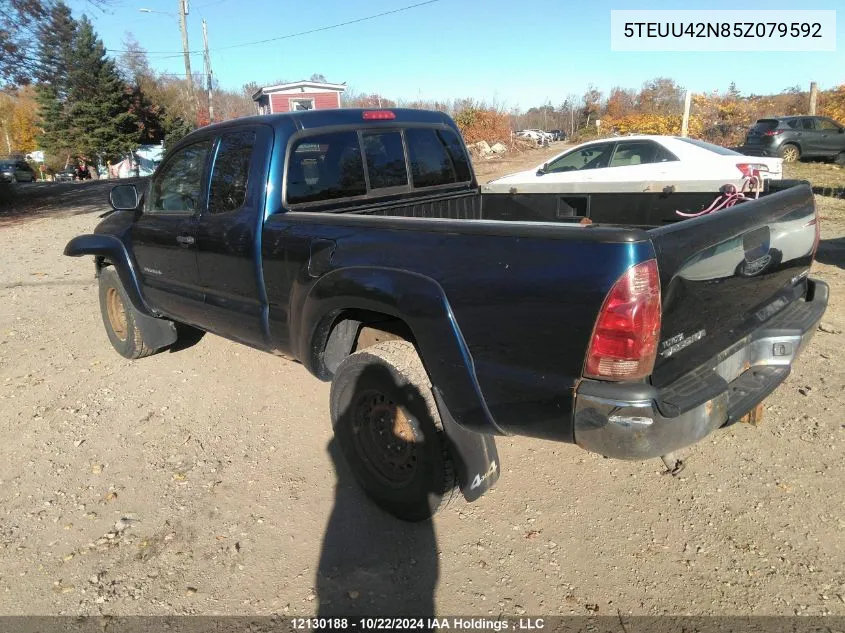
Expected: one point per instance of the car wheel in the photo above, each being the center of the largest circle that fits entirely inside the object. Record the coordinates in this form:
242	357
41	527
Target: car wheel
119	318
388	428
790	153
840	158
14	179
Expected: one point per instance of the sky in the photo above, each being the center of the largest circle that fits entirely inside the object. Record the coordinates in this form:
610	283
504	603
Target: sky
515	54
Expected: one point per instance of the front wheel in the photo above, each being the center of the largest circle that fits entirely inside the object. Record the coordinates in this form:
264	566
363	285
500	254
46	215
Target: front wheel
119	318
388	428
790	153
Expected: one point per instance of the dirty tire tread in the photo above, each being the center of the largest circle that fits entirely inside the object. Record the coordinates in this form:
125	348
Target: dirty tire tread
403	358
137	348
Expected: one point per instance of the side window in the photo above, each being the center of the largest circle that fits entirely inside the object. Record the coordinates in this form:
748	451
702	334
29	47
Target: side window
807	124
631	153
325	167
591	157
431	164
385	159
794	123
177	188
457	153
826	125
230	172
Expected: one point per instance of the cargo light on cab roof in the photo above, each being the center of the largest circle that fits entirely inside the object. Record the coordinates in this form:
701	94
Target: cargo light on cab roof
378	115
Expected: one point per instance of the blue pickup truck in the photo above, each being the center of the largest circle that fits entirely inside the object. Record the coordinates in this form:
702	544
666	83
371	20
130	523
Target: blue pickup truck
357	242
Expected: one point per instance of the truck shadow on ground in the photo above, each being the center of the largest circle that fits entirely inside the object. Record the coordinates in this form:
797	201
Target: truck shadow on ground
370	562
832	252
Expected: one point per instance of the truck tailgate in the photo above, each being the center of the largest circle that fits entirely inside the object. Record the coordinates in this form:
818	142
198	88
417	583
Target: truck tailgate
725	274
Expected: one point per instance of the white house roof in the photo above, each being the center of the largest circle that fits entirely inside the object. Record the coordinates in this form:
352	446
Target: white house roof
300	86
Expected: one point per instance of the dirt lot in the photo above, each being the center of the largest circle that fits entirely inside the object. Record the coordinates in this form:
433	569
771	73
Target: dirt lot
203	481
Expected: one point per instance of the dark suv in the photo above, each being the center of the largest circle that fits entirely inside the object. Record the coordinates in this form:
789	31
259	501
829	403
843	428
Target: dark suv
794	137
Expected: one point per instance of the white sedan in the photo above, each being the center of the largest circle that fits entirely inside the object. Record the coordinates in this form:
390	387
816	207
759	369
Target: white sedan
643	159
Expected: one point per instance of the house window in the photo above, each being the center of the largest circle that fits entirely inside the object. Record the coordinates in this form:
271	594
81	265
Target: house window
301	104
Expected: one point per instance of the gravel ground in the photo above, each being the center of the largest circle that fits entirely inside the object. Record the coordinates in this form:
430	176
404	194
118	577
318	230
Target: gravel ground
204	481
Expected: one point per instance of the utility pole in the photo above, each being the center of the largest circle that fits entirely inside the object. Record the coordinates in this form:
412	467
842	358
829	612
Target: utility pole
814	96
208	75
183	11
685	122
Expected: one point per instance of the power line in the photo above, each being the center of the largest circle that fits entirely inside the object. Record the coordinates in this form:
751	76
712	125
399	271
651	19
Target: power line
285	37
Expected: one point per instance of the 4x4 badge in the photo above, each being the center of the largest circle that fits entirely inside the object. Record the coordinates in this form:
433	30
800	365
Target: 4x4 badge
479	479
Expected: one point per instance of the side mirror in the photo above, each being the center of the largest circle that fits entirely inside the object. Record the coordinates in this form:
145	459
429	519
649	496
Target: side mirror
124	198
542	169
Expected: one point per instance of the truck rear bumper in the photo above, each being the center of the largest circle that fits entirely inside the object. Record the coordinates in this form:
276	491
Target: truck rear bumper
637	421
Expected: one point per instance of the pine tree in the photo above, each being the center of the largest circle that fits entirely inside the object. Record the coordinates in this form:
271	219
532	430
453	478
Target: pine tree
55	50
100	118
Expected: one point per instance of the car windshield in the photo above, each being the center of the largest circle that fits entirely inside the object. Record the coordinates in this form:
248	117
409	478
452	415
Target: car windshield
716	149
5	164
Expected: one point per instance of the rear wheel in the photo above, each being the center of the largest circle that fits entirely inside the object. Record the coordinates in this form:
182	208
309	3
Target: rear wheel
790	153
119	318
389	430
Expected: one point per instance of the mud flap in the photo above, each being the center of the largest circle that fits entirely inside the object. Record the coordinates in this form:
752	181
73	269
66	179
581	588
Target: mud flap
475	455
157	333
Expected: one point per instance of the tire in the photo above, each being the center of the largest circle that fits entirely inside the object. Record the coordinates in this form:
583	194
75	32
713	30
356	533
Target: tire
839	159
388	428
789	153
119	318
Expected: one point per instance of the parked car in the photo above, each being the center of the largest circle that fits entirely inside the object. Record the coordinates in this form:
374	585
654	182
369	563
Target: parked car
638	159
68	174
13	170
559	135
547	136
305	235
794	137
533	135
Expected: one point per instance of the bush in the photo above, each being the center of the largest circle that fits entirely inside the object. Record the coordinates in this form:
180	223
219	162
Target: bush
664	124
483	125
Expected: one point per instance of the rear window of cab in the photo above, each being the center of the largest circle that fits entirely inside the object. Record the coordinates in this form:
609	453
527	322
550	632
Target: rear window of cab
341	165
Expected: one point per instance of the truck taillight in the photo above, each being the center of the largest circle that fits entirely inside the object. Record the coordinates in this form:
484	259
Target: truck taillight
625	337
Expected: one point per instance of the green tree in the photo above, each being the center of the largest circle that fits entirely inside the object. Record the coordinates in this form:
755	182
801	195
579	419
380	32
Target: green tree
55	53
100	117
175	129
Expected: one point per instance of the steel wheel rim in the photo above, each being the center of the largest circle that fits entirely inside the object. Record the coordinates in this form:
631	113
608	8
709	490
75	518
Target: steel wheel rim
384	439
790	154
117	313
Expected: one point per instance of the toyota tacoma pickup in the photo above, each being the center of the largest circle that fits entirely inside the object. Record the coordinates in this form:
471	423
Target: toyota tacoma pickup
358	243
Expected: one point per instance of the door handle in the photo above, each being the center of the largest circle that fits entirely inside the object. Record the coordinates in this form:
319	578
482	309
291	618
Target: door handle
184	240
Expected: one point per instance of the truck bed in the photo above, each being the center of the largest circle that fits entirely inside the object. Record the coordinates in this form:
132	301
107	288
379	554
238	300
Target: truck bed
645	209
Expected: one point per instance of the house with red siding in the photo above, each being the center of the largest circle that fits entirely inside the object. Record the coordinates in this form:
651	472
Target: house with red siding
299	95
